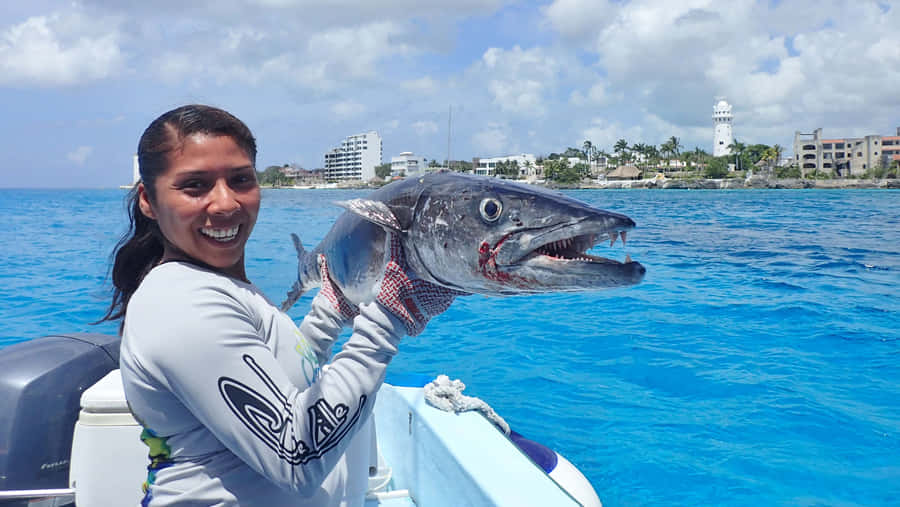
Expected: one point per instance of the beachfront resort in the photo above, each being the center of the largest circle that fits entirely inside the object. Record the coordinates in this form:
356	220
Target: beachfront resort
358	160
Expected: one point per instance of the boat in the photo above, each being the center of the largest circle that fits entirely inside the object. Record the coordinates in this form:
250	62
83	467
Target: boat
68	438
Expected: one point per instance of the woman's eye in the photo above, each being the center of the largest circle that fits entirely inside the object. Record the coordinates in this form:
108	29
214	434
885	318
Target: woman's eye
491	209
192	184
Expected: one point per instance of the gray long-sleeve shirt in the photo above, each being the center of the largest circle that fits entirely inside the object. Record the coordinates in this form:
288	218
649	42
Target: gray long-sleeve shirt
235	405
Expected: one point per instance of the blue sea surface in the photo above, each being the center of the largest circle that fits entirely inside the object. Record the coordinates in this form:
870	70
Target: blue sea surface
758	362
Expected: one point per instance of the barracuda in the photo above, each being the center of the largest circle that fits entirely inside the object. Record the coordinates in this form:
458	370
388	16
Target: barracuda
474	234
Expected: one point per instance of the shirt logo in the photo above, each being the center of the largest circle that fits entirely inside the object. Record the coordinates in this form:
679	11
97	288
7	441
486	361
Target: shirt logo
269	416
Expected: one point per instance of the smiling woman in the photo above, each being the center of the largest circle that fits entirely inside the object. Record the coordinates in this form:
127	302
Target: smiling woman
206	203
231	394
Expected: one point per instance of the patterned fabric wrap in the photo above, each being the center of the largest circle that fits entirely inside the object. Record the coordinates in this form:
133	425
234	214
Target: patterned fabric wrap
413	300
334	295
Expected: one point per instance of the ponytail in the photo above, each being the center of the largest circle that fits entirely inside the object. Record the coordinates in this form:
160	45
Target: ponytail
134	256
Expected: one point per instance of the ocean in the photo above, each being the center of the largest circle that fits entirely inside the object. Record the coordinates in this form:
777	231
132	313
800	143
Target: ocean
758	362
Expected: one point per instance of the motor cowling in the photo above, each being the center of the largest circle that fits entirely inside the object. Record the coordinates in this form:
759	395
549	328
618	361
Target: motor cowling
41	382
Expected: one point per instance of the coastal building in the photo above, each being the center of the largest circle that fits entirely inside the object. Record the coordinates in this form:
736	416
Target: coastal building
722	135
406	164
525	161
303	177
847	156
355	159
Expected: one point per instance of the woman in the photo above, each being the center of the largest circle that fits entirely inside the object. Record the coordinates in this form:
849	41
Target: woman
235	407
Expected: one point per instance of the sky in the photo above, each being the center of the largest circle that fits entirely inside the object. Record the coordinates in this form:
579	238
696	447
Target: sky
79	81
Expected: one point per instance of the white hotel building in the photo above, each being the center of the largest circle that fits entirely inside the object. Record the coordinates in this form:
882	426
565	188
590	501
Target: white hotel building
486	166
406	165
355	159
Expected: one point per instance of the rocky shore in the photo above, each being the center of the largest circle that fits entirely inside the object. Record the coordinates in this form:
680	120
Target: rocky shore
736	183
678	184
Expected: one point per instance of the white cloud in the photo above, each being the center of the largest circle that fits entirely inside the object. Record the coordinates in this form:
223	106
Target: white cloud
578	19
80	154
671	59
604	134
60	49
424	128
347	108
520	80
424	85
545	76
493	141
597	95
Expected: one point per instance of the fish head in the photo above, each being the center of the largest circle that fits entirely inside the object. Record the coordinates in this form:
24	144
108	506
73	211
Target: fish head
495	237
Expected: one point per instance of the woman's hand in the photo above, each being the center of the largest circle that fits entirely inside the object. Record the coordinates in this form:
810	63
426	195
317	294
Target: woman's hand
413	300
333	294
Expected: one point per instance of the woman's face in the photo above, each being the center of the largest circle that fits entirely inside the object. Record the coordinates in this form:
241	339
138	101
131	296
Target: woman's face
206	203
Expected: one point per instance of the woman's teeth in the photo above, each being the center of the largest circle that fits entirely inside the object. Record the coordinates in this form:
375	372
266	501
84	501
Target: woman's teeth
222	235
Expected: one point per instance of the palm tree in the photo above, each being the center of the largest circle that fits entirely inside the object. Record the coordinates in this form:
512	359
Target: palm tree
640	149
738	149
588	151
700	156
620	147
771	156
667	149
676	146
779	151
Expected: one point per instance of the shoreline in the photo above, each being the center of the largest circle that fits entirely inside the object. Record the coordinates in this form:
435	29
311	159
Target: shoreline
673	184
747	183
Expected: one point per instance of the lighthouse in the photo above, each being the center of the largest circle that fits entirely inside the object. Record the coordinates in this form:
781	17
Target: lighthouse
722	137
135	170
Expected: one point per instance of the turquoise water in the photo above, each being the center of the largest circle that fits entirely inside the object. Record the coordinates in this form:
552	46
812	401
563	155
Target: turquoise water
759	361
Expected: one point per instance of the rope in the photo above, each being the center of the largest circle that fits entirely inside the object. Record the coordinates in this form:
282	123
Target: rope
446	395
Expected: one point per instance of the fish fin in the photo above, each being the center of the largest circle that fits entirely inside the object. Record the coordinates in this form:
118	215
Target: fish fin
376	212
298	246
292	296
302	283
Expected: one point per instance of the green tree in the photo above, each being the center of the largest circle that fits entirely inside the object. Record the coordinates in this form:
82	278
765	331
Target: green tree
273	176
667	149
573	153
676	146
641	149
510	169
791	171
756	152
738	149
620	148
559	171
383	171
652	155
770	156
463	166
717	167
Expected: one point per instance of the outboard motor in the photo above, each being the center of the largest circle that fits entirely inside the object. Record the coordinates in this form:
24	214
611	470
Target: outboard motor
41	382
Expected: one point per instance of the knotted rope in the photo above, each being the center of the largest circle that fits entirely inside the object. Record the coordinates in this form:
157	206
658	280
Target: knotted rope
446	395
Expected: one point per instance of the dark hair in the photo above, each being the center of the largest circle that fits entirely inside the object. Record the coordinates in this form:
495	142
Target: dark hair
141	248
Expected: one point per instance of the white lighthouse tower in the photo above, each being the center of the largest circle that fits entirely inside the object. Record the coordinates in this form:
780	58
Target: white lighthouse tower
136	170
722	137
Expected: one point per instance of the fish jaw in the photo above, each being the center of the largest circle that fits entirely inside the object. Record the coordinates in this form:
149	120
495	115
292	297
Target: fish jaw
555	259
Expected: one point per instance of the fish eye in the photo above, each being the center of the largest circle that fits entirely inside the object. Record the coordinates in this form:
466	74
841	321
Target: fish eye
490	209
